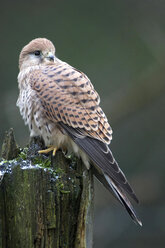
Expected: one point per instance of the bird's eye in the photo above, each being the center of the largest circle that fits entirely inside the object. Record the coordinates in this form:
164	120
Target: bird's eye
37	53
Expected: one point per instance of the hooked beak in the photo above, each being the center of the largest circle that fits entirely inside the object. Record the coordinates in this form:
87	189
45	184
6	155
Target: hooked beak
50	56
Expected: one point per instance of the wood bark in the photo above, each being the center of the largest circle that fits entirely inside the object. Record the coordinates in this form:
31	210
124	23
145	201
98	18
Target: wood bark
45	201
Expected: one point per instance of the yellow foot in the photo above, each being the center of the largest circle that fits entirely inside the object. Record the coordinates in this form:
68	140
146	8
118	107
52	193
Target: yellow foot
51	148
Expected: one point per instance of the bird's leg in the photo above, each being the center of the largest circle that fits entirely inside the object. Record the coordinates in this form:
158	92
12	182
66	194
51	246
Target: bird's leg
51	148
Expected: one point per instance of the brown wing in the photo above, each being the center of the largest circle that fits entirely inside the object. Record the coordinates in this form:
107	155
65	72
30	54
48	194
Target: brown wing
68	96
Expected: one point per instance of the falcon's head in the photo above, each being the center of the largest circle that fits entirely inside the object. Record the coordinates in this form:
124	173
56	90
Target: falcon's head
38	51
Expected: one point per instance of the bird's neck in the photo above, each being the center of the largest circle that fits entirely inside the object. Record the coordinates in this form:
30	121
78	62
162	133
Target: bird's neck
24	72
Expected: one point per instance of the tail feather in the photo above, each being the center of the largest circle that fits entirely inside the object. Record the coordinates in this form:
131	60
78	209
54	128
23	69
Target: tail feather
119	194
105	167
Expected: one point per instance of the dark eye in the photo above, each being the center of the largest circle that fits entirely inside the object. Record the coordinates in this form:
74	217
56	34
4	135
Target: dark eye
37	53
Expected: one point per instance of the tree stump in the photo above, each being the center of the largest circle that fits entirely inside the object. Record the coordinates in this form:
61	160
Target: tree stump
46	202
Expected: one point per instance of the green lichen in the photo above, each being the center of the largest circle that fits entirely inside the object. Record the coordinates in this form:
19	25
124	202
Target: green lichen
65	191
45	163
57	173
61	187
23	153
3	162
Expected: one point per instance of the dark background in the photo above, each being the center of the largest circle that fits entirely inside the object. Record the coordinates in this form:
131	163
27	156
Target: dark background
120	45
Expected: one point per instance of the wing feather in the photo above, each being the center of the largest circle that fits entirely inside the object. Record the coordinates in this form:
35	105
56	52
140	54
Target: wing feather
67	95
102	156
105	168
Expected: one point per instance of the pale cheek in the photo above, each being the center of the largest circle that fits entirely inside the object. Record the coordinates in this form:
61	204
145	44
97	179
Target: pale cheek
31	61
34	59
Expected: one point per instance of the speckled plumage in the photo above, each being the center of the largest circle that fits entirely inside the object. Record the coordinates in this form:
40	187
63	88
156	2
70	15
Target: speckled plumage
59	103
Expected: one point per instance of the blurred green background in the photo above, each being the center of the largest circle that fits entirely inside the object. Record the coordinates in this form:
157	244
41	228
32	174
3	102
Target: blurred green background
120	45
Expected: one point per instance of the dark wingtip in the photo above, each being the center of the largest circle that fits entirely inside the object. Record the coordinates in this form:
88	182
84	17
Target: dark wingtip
135	198
132	213
121	196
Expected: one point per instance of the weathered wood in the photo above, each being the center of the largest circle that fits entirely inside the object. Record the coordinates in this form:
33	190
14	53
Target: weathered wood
9	147
45	201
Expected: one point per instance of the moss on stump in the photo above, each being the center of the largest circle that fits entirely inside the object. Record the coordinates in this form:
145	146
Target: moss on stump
46	202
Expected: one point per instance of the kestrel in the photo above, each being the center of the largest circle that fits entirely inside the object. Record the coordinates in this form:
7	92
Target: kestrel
60	104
